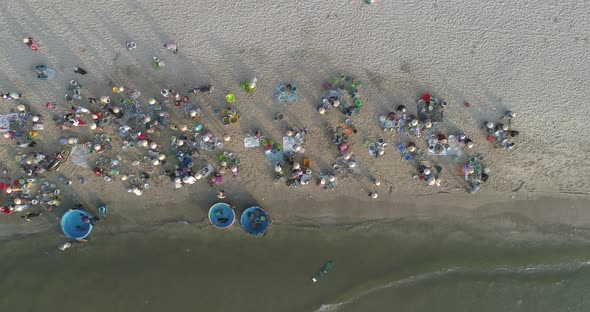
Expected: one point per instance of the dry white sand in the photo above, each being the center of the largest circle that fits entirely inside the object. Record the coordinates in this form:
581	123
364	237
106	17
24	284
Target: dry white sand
530	57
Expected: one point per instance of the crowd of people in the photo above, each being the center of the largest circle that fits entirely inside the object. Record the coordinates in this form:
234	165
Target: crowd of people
120	116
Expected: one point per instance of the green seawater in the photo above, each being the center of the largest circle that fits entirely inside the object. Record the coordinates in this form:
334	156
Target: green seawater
403	265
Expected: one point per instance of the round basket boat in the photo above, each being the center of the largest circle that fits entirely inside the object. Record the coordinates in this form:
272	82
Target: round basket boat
255	220
73	225
221	215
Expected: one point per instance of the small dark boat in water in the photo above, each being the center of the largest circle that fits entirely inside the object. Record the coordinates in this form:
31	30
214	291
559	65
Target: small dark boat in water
323	271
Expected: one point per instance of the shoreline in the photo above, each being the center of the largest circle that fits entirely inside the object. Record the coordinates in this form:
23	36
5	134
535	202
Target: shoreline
505	213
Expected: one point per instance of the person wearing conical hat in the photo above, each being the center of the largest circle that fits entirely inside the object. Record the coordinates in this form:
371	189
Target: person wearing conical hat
116	111
105	99
221	194
30	43
501	126
509	115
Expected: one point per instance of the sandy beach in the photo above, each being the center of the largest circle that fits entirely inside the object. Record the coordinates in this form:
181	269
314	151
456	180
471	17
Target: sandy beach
485	55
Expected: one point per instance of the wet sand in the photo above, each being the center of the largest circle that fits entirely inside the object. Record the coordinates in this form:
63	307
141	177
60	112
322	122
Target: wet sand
377	265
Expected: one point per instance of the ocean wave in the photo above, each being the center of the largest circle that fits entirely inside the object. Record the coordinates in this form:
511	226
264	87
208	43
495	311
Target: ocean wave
501	270
394	284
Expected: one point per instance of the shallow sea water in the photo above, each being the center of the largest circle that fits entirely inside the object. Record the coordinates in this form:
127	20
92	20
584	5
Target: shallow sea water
378	266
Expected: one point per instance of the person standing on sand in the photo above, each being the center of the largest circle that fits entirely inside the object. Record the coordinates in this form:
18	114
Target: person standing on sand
221	194
171	46
80	70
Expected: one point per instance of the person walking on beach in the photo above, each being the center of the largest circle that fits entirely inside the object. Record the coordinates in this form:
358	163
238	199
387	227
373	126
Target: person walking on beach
31	44
30	215
172	47
80	70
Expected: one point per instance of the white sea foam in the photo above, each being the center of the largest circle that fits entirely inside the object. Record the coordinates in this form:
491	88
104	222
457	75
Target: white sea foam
502	270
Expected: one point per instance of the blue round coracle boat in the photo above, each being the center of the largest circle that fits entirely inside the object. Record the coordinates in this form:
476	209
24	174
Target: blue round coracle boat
221	215
73	224
255	220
